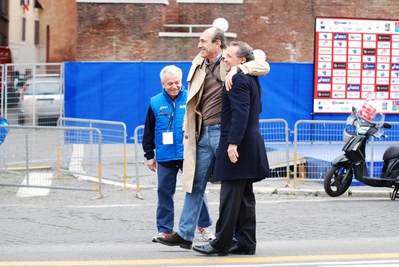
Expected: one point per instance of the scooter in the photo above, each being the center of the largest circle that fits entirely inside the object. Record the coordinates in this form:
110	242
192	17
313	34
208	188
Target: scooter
353	163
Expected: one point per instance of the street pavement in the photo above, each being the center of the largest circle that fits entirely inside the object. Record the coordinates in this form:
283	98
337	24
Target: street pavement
123	215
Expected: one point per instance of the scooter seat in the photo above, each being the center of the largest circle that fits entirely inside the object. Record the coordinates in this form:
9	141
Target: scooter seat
391	152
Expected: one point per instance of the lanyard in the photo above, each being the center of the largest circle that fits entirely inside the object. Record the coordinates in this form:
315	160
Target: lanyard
213	69
170	116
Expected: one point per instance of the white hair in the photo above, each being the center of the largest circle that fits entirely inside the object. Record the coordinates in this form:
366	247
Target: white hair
171	69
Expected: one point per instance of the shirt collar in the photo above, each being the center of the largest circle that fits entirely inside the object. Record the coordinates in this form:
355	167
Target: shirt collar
217	59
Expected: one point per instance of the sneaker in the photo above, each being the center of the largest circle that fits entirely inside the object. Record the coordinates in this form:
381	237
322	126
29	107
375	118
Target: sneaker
206	233
175	240
154	239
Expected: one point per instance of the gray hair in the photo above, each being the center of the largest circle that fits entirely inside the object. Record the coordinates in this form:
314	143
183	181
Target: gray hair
219	35
244	50
171	69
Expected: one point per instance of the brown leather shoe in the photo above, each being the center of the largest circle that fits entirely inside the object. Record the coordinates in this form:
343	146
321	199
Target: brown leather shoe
175	240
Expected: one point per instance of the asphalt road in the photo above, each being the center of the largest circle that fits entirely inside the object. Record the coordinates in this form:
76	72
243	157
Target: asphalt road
74	228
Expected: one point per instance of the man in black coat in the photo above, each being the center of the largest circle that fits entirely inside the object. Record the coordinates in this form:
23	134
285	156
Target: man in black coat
240	161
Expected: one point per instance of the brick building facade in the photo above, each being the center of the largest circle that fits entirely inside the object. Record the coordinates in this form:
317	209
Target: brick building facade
284	29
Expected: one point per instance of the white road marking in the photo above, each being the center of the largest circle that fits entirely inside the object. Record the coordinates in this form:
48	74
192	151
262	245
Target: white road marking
36	178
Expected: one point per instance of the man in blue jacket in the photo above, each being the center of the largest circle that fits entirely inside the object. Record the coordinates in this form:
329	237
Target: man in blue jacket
163	133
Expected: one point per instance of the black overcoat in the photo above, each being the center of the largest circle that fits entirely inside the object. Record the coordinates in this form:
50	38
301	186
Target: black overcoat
241	107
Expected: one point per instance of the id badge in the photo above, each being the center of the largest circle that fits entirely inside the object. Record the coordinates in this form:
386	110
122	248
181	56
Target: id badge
167	138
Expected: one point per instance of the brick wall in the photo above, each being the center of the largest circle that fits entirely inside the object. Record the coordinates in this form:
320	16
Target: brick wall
284	29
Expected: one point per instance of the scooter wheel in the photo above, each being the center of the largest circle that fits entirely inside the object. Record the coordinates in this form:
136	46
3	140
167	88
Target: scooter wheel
337	180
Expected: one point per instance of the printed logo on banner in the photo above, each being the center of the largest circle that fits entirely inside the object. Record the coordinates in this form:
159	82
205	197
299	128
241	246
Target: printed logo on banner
382	81
384	45
382	66
383	52
395	81
337	103
339	73
354	59
370	37
338	95
339	87
323	87
323	79
383	73
324	72
325	43
382	87
395	88
325	36
339	65
394	95
325	58
339	59
325	50
354	66
355	44
368	88
355	36
353	80
395	59
384	38
352	94
324	65
339	51
368	66
395	38
368	51
354	51
369	59
369	45
353	73
323	94
338	80
395	45
339	44
382	95
368	73
383	59
339	36
395	52
353	87
368	80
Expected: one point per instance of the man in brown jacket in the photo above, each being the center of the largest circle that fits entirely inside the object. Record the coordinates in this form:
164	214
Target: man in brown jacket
206	79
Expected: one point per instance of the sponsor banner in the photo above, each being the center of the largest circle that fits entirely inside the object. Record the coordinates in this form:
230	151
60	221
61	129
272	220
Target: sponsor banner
353	59
338	87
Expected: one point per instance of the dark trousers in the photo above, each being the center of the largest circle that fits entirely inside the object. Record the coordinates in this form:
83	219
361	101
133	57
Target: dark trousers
236	214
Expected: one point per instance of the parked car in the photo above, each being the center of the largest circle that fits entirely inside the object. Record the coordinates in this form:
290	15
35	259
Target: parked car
40	102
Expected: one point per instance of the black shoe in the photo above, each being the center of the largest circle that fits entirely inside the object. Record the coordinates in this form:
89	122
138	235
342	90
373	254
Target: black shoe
175	240
209	250
237	250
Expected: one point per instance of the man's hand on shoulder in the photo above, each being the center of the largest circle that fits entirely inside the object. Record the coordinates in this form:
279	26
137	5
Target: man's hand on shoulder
228	82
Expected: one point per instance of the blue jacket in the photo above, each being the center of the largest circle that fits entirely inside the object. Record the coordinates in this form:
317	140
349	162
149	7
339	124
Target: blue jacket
162	112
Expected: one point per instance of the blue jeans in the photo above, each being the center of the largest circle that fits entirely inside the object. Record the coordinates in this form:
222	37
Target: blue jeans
206	154
167	173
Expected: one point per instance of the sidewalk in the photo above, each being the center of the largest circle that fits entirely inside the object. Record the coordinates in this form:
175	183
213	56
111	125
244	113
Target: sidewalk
314	188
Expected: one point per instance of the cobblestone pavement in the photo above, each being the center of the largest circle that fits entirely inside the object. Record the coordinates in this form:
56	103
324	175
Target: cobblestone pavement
66	216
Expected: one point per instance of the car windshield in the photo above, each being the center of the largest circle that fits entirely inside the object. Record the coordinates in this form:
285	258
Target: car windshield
43	88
